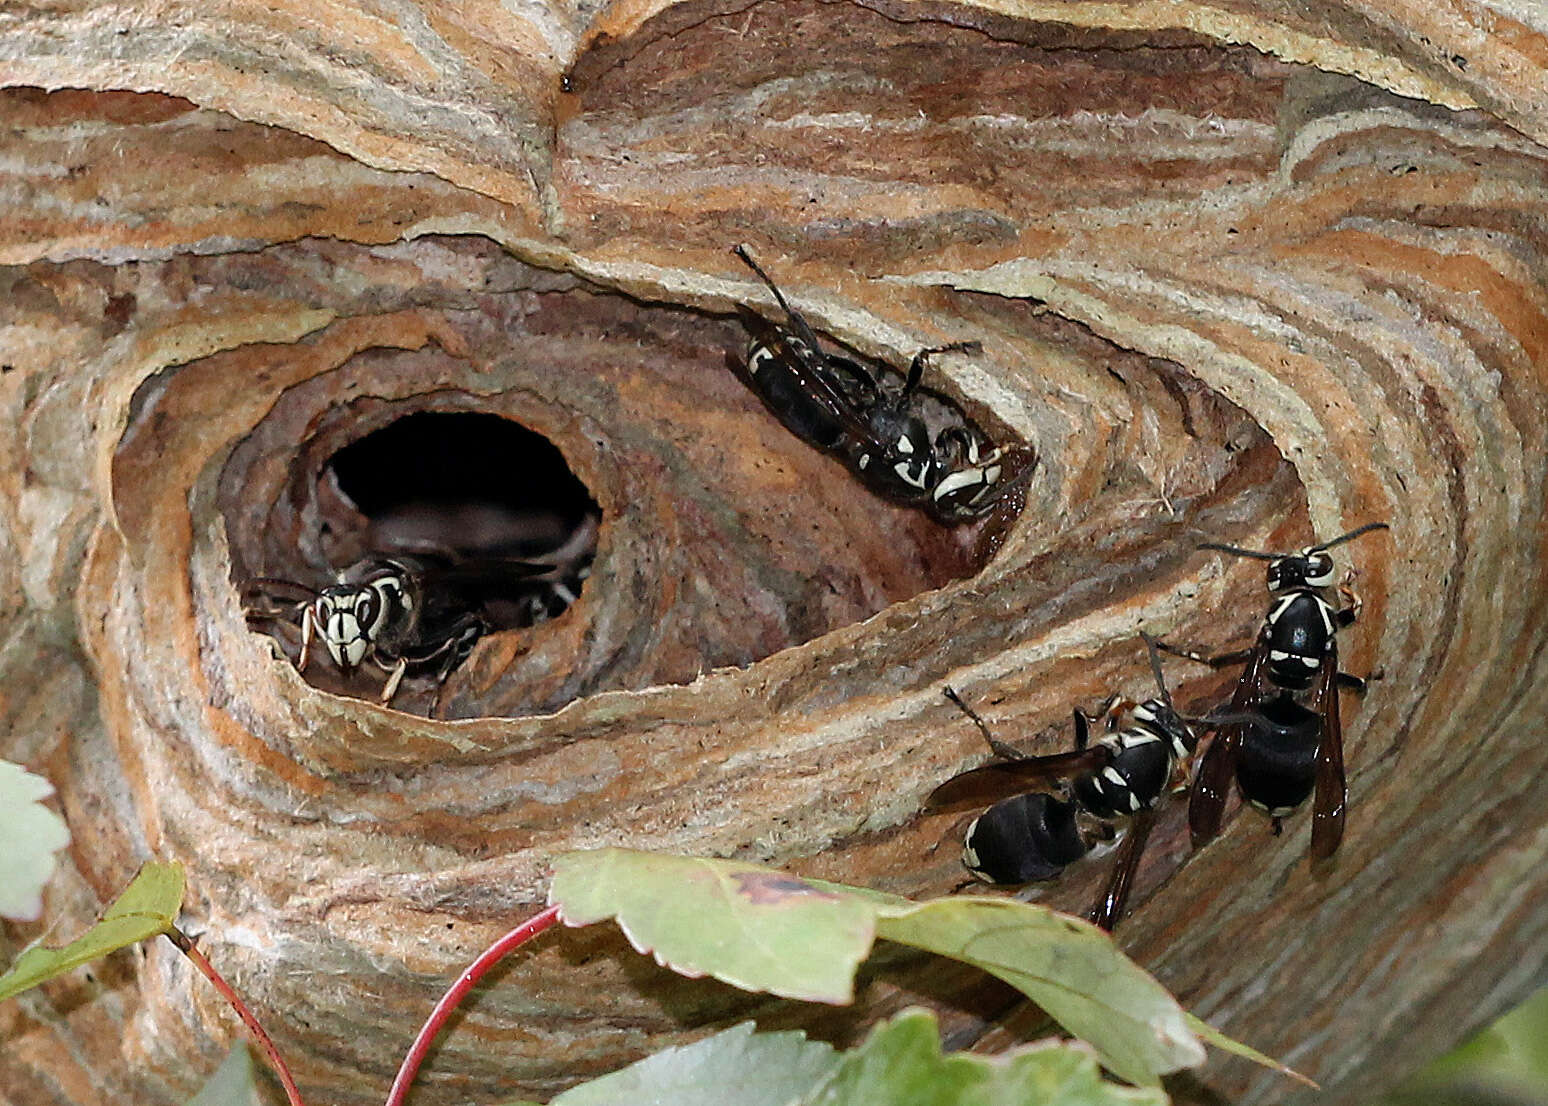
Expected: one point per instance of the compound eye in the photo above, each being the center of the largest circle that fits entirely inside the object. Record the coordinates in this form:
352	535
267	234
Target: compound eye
1319	569
367	612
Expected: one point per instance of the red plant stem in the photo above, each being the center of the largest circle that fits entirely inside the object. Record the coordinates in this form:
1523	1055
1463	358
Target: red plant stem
276	1061
457	992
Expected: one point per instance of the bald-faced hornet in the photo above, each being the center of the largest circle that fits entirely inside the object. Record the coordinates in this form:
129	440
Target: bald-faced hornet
1278	747
407	614
1030	835
847	406
375	614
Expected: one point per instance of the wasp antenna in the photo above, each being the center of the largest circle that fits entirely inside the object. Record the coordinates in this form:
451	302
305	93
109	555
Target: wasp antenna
1155	666
916	366
915	372
1224	716
1355	533
742	252
1255	554
971	346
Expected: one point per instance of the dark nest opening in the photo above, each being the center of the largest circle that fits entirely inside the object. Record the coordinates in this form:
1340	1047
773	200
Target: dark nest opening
478	495
687	528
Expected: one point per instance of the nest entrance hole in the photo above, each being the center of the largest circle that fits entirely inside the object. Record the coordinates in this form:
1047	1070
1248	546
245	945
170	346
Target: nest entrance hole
473	491
463	481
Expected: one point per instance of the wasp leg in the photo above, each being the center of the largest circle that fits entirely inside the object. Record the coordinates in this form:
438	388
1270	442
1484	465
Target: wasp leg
1359	684
1000	748
454	648
394	679
916	366
309	629
1347	616
1114	709
269	598
1219	660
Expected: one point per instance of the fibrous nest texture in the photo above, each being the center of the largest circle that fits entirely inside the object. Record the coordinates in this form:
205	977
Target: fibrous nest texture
1249	271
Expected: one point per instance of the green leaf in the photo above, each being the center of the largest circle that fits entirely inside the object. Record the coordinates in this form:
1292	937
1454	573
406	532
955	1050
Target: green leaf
1069	967
1229	1044
232	1084
32	834
147	907
901	1064
750	926
765	930
736	1066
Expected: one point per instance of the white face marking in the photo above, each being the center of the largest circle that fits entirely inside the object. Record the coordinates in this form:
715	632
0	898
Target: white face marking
907	476
1134	803
962	478
904	445
758	355
341	634
865	459
1145	712
1114	777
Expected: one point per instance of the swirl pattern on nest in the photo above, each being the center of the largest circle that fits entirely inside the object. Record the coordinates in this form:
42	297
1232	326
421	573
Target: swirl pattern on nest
1229	295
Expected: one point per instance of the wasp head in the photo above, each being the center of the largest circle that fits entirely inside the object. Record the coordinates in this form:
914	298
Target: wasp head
1310	568
350	619
1161	718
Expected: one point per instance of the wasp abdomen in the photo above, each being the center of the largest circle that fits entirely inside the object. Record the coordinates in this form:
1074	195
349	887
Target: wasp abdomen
1023	839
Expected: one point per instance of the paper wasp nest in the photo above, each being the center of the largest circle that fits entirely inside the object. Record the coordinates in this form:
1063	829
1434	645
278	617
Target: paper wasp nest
1254	273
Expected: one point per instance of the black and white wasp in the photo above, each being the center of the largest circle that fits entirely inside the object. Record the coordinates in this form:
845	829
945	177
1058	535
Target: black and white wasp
1285	736
1030	835
849	406
402	614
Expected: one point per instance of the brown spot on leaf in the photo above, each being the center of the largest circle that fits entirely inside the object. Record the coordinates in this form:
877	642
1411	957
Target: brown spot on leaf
766	888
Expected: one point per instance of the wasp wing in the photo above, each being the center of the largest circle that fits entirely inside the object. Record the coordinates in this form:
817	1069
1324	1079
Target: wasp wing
493	573
836	386
1217	768
1001	779
1125	864
1332	790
